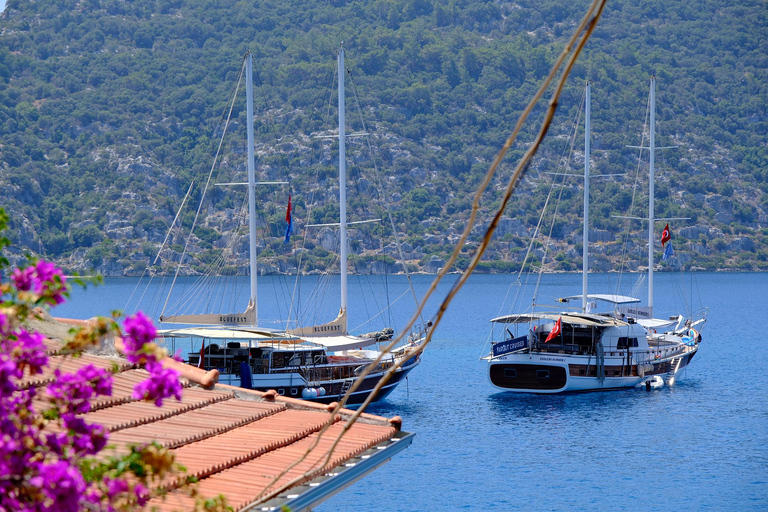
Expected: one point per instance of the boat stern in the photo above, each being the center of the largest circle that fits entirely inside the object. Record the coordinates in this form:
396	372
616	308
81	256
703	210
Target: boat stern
528	375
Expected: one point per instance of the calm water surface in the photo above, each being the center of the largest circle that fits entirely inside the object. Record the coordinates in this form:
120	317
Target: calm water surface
700	445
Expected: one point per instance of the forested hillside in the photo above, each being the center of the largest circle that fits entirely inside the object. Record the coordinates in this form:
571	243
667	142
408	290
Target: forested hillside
110	109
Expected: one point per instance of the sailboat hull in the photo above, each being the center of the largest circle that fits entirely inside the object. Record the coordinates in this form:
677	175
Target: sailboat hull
294	385
545	373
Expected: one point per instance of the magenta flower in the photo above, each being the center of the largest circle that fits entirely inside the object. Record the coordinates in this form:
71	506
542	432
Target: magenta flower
138	331
63	484
4	325
9	372
29	350
24	280
142	494
86	438
162	383
115	486
44	278
51	282
47	273
72	392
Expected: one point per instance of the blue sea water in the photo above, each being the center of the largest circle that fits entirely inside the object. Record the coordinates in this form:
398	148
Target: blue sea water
699	445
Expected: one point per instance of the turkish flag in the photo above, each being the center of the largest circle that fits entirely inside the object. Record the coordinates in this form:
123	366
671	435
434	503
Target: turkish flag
665	236
554	332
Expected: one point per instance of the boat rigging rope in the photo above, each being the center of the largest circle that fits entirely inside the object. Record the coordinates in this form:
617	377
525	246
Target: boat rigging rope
207	183
381	312
233	94
295	307
573	48
383	191
563	162
635	185
160	250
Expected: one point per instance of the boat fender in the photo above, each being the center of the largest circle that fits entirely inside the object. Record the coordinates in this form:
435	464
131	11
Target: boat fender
321	391
641	370
309	393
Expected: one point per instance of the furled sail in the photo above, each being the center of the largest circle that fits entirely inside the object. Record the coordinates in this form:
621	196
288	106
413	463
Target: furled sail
334	328
248	317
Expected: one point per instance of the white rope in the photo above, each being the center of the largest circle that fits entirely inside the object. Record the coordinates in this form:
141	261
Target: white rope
208	181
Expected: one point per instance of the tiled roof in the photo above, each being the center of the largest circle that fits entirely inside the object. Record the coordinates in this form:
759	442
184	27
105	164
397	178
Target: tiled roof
239	443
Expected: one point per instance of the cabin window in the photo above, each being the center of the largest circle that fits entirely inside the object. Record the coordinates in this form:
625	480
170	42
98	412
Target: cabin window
510	373
294	391
542	374
625	342
278	359
281	391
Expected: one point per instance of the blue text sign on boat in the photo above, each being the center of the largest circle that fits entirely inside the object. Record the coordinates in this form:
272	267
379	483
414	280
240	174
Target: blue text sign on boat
513	345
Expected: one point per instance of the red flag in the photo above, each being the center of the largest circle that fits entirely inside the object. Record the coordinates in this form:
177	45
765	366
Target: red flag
554	332
288	211
289	220
202	353
665	236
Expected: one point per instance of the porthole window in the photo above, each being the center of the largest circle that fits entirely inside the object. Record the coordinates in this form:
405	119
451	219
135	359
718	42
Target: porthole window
281	391
542	374
510	373
294	391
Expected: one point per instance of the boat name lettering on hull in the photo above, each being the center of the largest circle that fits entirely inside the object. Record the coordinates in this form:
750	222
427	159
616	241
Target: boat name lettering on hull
562	360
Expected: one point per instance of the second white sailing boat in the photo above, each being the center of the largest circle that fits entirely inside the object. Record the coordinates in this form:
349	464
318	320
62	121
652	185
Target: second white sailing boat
571	351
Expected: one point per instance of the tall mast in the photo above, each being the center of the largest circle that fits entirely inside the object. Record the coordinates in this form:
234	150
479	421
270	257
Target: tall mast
585	242
251	184
342	184
650	195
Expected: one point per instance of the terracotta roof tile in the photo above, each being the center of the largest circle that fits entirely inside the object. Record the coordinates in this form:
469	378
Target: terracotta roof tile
194	424
242	484
137	413
247	442
235	441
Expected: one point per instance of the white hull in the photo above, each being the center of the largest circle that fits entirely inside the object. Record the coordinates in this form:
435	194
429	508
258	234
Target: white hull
293	385
548	373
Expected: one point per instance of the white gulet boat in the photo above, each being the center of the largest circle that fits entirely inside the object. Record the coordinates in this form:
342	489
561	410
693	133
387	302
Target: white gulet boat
573	351
318	363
